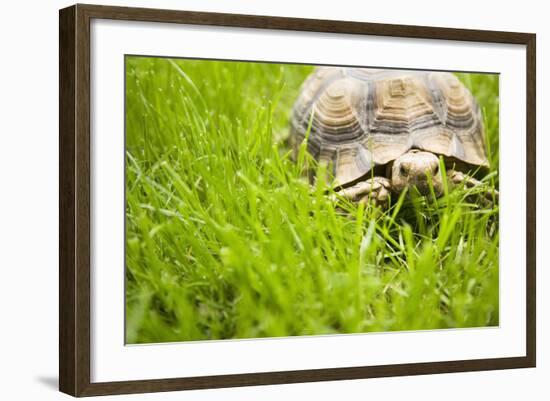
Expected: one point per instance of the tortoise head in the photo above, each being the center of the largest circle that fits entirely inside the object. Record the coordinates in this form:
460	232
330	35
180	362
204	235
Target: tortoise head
416	168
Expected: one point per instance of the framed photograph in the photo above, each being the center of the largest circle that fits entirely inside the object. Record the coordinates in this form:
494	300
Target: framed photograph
250	200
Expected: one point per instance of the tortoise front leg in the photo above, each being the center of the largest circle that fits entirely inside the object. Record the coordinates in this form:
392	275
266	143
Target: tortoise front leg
459	178
376	190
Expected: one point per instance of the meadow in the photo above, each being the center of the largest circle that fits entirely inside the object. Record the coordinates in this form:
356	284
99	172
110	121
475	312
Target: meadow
226	239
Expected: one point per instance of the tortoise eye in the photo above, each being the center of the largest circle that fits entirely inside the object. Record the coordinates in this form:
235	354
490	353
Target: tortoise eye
403	170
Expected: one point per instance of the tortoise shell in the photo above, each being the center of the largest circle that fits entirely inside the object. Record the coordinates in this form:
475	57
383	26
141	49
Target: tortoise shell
362	118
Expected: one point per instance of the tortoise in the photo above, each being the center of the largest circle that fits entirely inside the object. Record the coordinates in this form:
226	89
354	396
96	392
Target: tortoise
381	131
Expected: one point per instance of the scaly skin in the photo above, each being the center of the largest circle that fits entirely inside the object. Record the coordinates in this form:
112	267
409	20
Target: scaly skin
375	190
459	178
414	168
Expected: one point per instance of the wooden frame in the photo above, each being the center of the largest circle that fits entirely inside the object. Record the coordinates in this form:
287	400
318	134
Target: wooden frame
74	199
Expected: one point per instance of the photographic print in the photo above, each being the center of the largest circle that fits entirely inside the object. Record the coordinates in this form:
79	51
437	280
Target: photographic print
275	200
320	200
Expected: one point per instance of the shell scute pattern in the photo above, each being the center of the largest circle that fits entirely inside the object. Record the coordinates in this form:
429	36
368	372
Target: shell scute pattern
362	118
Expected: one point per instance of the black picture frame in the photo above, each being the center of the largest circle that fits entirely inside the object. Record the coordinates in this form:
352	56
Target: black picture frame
74	199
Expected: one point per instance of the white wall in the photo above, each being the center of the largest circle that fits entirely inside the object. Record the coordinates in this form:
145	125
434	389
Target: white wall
28	197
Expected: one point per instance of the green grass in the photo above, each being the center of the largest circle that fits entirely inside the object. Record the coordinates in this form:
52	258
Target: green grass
225	238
